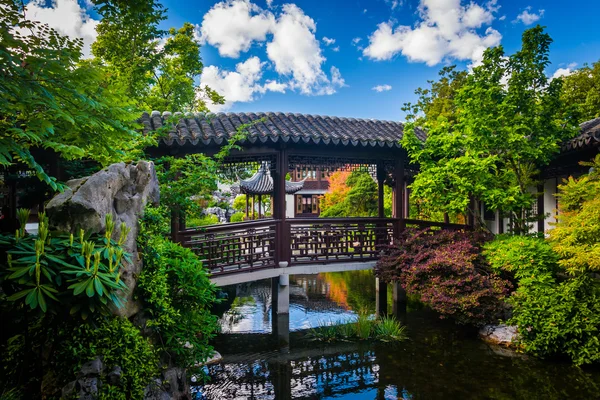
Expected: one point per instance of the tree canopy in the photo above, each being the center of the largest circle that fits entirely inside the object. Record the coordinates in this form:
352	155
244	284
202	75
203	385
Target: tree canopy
582	88
52	99
507	120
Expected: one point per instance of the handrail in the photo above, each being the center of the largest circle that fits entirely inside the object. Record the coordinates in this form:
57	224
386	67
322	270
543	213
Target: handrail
227	227
319	221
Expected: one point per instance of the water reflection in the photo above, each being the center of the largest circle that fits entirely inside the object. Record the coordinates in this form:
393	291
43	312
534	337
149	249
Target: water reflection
441	361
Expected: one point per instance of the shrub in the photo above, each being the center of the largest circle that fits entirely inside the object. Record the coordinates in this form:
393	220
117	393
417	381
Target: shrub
557	319
58	271
528	259
447	271
204	220
120	343
576	237
237	217
178	295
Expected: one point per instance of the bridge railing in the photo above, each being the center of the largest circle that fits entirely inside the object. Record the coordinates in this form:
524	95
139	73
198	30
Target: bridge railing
328	240
253	245
234	247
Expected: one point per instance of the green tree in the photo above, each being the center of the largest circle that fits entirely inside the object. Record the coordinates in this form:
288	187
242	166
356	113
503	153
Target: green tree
356	197
508	122
53	100
159	77
582	88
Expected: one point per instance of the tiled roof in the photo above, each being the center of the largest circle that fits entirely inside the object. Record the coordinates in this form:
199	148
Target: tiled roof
262	183
589	136
204	129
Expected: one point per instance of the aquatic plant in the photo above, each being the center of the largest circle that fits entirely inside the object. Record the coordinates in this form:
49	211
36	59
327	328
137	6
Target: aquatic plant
389	329
362	327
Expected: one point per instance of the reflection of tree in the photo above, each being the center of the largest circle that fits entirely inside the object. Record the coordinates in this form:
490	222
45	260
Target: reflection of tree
353	289
234	315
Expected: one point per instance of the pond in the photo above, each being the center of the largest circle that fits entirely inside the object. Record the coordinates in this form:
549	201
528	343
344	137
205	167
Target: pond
262	360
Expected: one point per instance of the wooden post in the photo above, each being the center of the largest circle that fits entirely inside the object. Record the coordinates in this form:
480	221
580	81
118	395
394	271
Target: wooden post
279	173
406	200
398	209
540	209
247	207
253	209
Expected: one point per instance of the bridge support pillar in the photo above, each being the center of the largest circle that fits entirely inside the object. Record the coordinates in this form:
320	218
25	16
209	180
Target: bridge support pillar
280	289
380	297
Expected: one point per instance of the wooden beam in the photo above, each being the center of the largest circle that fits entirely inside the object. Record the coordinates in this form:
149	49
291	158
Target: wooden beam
380	192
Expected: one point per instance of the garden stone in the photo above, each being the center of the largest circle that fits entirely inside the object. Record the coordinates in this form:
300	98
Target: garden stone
122	190
114	376
499	334
91	368
172	385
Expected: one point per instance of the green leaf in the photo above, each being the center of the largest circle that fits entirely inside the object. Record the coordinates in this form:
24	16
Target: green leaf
79	287
20	294
98	286
89	290
42	301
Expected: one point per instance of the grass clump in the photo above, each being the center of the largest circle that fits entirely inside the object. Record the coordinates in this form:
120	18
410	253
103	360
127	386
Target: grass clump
364	327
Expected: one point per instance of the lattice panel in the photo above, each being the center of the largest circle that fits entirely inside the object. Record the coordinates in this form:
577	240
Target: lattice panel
243	166
335	163
234	249
339	241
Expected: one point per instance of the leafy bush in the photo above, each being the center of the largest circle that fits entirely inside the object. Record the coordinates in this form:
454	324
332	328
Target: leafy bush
57	271
529	259
120	343
204	220
563	318
576	237
178	295
237	217
447	271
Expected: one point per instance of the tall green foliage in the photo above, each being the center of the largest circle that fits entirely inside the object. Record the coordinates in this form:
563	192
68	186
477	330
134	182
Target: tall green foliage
178	295
52	99
507	121
156	68
582	88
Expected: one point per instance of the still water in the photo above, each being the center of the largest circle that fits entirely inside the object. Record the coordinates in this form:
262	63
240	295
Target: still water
262	360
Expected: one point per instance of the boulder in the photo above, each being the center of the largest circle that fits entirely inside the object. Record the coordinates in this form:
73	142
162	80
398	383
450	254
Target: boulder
172	385
122	190
504	335
88	383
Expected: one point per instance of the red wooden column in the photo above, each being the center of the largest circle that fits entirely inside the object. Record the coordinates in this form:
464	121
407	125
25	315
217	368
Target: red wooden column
398	193
282	239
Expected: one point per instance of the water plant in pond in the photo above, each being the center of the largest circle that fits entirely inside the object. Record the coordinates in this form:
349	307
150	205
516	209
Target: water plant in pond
364	327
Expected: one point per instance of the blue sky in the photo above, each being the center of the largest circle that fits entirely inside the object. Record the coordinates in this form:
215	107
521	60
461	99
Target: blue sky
306	56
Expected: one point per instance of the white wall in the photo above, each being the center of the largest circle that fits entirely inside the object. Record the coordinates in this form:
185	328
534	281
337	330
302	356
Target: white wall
289	206
550	202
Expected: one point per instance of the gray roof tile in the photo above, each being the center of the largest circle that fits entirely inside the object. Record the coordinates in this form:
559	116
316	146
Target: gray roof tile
589	136
205	129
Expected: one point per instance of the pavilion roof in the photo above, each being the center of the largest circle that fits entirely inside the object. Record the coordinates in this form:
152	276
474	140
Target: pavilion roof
199	129
262	183
589	136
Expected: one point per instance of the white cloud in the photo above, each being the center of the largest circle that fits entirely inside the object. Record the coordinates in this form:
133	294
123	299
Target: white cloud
564	71
232	26
447	30
529	18
382	88
328	41
502	18
66	17
240	85
365	11
356	41
336	48
269	3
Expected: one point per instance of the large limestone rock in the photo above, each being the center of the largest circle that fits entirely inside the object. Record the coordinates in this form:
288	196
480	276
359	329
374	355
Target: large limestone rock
122	190
504	335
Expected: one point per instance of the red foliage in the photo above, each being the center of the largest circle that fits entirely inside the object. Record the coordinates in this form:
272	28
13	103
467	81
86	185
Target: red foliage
447	271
